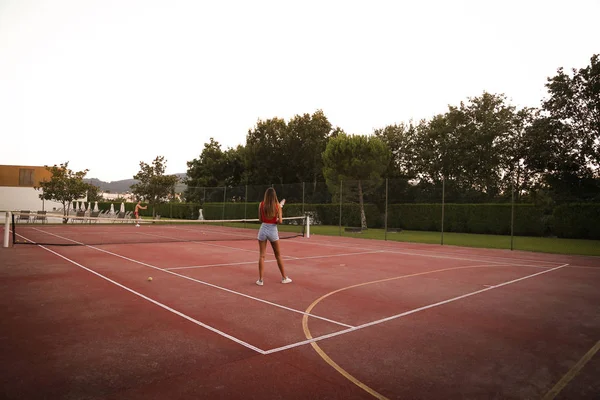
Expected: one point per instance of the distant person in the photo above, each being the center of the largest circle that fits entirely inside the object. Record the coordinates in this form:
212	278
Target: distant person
270	214
136	212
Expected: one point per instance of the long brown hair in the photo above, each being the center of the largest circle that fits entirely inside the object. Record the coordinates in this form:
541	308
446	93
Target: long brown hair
270	203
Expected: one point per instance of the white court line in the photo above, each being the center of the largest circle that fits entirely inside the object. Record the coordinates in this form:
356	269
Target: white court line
195	321
202	282
585	266
216	265
386	250
244	235
427	255
380	321
351	328
210	244
391	246
254	262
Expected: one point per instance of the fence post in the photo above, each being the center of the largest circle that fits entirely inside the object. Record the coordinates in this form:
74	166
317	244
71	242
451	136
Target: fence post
224	199
245	205
443	201
386	210
340	223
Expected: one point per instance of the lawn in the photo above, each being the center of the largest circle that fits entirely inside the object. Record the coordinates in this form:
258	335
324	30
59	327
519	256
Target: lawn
539	244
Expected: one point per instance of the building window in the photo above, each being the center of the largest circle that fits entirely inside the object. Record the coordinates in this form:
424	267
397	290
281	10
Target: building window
25	177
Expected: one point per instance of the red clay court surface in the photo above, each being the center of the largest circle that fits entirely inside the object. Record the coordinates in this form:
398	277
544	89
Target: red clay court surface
362	319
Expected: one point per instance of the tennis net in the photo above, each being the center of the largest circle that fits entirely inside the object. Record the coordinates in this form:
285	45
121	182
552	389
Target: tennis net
82	230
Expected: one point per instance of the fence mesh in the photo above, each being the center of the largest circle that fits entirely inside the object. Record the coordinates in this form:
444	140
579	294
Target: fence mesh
440	212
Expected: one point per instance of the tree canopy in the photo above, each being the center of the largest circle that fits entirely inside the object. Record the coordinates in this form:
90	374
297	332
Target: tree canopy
564	138
357	158
154	186
479	149
280	152
65	186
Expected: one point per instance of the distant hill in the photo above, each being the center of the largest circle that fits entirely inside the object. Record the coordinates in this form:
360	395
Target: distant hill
124	185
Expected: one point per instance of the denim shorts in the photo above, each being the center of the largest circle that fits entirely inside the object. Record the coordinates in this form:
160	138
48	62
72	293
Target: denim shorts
268	232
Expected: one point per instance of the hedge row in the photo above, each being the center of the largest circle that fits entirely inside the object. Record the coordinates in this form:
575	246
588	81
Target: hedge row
568	221
580	220
469	218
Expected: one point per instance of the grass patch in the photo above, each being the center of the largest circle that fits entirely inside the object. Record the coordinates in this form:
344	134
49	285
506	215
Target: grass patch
538	244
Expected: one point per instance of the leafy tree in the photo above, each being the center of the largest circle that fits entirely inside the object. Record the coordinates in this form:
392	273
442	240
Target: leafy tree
565	137
360	158
213	168
65	186
514	151
154	186
94	193
400	139
467	147
574	102
278	152
304	141
265	159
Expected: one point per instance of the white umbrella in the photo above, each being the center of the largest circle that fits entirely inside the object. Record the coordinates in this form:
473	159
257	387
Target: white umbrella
96	207
112	209
122	207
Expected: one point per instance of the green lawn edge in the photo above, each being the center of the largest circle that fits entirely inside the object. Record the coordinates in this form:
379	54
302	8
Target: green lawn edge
525	243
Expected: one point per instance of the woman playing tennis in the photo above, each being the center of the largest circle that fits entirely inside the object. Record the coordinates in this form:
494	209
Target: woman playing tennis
270	214
136	212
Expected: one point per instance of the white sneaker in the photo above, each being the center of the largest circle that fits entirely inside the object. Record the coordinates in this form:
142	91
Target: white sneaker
286	280
137	225
259	282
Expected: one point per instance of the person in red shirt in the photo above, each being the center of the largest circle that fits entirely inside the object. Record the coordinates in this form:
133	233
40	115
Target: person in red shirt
270	214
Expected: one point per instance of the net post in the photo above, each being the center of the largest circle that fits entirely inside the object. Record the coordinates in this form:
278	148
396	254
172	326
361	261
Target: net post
7	228
307	222
14	231
303	198
512	212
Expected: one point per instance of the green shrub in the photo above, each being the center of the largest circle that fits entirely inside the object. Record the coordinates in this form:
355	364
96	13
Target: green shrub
577	220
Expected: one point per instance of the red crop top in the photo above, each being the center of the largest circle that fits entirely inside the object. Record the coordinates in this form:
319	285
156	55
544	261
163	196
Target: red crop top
268	220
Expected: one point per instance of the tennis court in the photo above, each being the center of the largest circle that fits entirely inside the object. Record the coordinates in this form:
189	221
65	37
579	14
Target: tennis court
362	319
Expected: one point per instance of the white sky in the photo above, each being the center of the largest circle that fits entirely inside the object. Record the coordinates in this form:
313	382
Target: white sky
107	84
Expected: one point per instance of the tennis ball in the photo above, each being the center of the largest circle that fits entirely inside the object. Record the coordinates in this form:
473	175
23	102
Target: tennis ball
149	279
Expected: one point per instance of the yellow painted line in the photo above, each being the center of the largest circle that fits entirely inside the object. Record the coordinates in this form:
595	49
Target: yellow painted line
572	373
328	359
335	365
